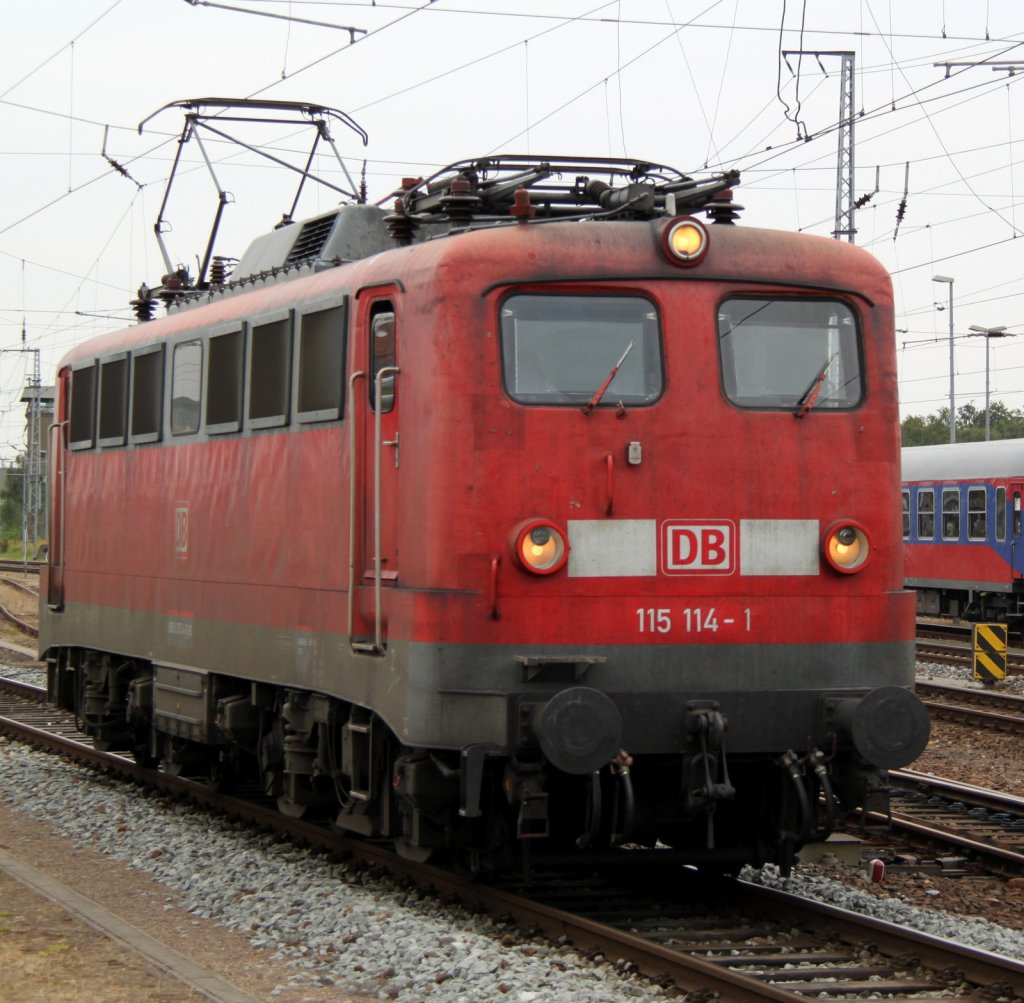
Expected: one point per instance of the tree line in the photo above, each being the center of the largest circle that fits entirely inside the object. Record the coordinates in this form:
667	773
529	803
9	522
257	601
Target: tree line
928	430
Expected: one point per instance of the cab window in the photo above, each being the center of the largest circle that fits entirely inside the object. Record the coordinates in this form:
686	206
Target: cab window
382	356
789	353
562	349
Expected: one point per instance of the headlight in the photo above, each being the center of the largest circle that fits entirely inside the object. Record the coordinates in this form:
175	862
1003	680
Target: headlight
847	547
541	547
686	241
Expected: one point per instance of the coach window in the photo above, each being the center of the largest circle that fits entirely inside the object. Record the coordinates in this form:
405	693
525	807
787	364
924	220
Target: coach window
565	349
1000	514
224	380
925	514
186	380
270	371
790	353
977	516
82	431
950	513
147	394
320	391
906	515
382	356
113	400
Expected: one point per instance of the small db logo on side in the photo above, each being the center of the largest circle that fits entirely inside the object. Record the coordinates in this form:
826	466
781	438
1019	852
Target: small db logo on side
181	530
691	547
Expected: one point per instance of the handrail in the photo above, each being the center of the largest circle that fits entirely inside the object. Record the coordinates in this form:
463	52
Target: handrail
377	447
352	500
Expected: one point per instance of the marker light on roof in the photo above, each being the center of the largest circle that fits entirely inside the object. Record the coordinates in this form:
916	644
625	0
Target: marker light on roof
686	241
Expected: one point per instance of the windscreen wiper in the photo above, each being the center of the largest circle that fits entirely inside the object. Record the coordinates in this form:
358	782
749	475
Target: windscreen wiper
596	399
810	395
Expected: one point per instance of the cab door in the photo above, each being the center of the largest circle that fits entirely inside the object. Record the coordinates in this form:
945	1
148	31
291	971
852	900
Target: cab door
374	449
56	454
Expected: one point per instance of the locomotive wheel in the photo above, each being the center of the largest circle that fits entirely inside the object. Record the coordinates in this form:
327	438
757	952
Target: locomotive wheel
141	755
292	809
417	854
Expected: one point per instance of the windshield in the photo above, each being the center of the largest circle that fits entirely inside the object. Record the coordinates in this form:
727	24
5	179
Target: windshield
561	349
789	353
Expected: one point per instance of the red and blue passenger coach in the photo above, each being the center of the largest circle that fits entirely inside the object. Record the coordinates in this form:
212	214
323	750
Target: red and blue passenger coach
552	516
962	530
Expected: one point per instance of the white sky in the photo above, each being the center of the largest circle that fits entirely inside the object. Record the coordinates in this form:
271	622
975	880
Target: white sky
690	83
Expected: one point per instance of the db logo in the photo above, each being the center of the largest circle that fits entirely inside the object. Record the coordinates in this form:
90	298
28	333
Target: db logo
181	530
698	548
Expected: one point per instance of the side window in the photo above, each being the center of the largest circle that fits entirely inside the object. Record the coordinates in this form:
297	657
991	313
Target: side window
82	433
113	400
147	394
925	514
906	514
186	380
950	513
320	392
382	356
1000	514
977	515
270	371
224	381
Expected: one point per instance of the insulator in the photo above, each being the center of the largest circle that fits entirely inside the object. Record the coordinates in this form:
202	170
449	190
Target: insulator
522	208
863	200
723	209
901	210
401	225
220	270
460	204
144	305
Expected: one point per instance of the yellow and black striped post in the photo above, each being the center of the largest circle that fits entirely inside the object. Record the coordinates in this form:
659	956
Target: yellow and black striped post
990	652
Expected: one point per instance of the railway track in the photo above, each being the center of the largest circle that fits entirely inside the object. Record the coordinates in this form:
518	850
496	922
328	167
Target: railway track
962	654
977	707
28	567
732	939
985	824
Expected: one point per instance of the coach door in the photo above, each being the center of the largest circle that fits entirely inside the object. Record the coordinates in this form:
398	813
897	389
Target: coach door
1015	518
373	496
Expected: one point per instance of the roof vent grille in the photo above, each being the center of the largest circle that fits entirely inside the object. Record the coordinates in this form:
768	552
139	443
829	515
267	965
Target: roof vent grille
311	239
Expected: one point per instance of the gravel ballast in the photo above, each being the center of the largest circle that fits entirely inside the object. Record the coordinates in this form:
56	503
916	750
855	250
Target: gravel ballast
339	925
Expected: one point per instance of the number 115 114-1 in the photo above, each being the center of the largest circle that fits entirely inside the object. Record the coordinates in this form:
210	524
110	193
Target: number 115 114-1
692	620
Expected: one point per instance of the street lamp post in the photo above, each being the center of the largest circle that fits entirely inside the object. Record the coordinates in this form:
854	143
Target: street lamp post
988	333
952	396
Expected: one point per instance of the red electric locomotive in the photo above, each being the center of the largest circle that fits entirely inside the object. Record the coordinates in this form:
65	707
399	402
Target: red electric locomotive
530	511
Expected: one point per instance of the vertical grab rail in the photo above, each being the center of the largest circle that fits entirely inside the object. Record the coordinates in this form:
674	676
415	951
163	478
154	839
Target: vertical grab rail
377	447
352	501
609	461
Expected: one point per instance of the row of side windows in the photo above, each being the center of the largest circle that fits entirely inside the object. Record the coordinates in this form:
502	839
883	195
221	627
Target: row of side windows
922	506
263	373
